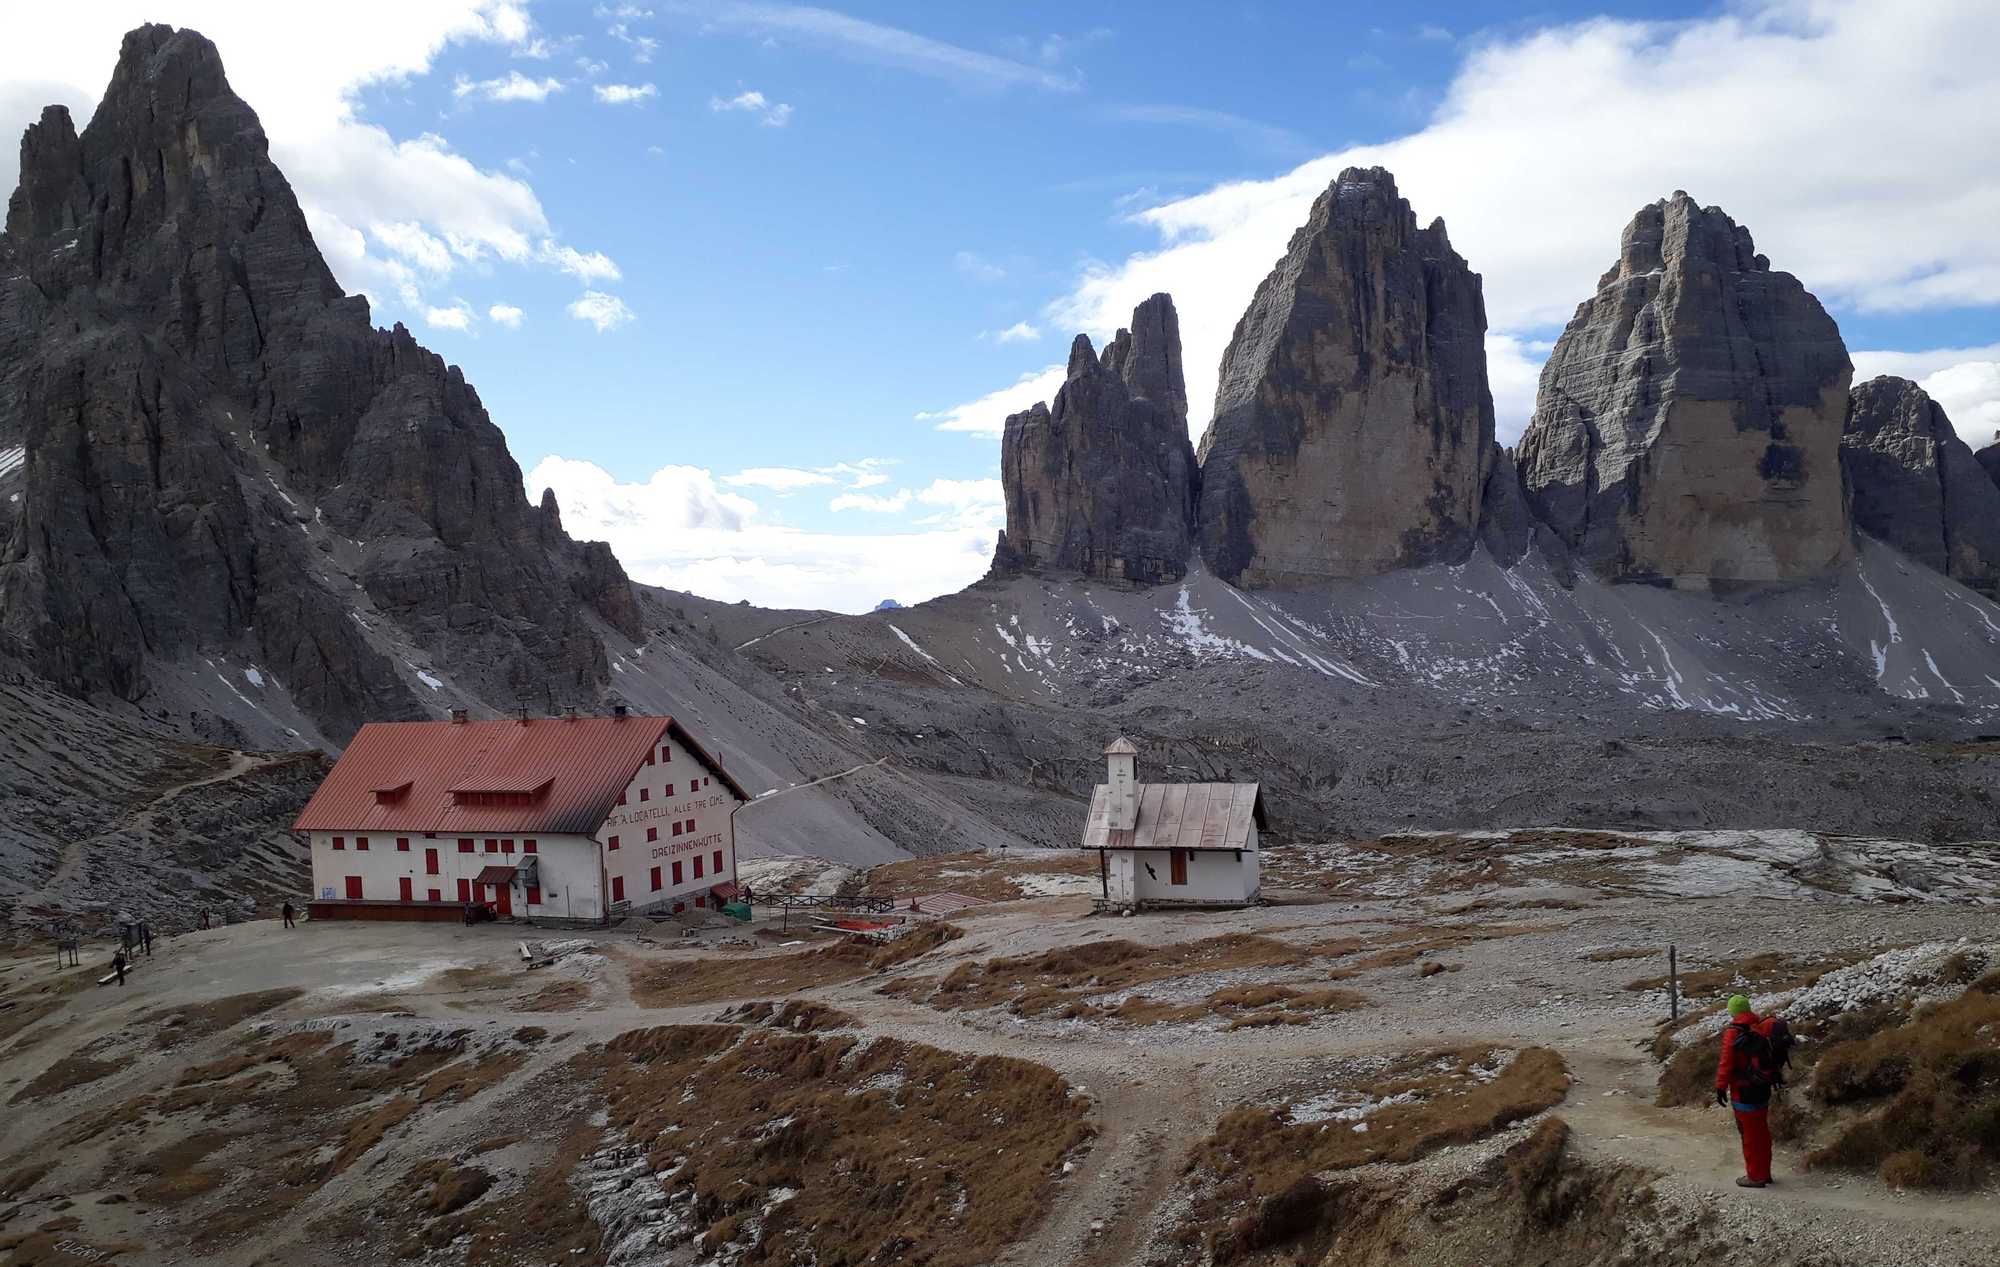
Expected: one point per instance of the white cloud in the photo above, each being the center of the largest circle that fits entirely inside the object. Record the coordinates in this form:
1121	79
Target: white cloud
1513	371
513	86
1965	382
592	68
987	416
679	530
367	195
892	503
754	103
778	479
977	268
1019	332
585	266
1816	123
606	312
456	317
643	46
624	94
505	315
890	45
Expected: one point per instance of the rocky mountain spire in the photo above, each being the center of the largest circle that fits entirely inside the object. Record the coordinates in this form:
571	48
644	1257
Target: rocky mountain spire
218	439
1688	425
1353	428
1917	485
1102	483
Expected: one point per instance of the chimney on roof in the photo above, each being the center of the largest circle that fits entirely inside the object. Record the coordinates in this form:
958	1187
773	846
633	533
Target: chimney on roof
522	713
620	711
1121	760
569	712
458	717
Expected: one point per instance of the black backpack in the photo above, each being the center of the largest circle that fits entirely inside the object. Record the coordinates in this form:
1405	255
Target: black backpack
1763	1053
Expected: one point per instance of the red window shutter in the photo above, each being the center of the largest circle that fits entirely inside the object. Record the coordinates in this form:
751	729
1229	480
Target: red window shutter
464	889
679	907
666	753
699	900
436	896
617	888
402	844
361	842
430	862
697	866
718	862
534	895
527	846
403	889
652	834
656	879
690	827
645	794
621	798
614	842
340	842
465	844
670	789
492	845
677	875
506	846
354	888
677	829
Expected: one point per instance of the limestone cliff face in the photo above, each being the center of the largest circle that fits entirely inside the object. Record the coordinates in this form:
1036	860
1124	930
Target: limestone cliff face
210	424
1917	486
1688	426
1353	426
1102	482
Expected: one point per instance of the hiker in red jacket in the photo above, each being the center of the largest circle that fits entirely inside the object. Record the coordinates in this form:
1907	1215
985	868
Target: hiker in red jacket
1750	1067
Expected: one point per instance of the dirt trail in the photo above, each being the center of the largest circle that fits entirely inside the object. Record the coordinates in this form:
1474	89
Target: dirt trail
239	764
1612	1117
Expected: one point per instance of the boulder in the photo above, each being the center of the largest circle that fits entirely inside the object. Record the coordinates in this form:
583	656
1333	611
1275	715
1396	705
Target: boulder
1688	426
1353	425
1101	483
1917	486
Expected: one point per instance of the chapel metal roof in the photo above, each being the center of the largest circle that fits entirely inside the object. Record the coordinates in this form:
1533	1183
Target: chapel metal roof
1179	816
558	775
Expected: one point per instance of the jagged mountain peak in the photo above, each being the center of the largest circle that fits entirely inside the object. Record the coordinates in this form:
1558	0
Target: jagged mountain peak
218	440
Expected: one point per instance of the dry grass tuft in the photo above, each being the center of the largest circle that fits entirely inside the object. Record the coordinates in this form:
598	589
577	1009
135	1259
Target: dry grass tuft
801	1016
1928	1095
1257	1156
896	1151
1060	981
679	982
191	1024
994	879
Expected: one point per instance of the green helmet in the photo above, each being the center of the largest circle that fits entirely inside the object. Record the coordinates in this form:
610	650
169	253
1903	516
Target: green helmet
1738	1005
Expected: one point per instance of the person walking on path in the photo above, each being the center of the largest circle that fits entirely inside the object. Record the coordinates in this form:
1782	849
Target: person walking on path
146	938
1750	1067
118	964
286	911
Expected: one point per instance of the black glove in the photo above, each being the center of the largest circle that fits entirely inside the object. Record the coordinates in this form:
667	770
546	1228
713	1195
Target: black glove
1722	1097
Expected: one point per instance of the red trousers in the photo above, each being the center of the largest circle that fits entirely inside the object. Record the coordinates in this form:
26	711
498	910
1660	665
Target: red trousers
1754	1125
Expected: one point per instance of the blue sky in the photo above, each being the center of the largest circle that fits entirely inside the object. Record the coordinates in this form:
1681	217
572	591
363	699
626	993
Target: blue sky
752	284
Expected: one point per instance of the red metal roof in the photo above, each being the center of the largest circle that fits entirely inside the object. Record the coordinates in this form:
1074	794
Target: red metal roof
568	770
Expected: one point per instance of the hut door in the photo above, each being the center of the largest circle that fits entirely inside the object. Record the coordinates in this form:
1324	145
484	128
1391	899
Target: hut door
1177	863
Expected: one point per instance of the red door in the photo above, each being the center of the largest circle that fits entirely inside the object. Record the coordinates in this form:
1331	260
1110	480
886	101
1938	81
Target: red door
464	889
1178	863
503	898
403	887
354	888
436	896
430	862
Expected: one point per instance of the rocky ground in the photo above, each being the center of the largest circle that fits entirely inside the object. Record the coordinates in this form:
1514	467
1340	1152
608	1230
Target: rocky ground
1462	1043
